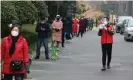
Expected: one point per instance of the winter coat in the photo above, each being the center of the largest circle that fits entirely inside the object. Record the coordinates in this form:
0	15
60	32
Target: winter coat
21	53
75	25
106	35
81	25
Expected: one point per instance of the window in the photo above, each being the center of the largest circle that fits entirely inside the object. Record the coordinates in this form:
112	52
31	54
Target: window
130	24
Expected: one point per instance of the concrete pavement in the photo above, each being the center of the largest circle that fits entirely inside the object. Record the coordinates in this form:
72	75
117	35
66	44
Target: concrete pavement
81	60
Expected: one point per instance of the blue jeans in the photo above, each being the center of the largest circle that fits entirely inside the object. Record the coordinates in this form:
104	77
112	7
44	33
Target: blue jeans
45	43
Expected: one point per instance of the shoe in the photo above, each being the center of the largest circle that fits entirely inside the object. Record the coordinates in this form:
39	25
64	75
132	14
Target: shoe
27	76
47	58
63	46
37	57
108	67
103	69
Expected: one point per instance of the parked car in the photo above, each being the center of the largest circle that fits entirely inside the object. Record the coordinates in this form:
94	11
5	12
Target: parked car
119	21
128	34
122	29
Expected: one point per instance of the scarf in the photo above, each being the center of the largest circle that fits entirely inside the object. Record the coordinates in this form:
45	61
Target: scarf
13	45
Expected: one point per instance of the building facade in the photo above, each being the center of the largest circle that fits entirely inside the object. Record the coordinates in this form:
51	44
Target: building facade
120	8
125	8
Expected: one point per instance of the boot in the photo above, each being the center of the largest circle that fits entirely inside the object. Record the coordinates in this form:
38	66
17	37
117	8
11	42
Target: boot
37	57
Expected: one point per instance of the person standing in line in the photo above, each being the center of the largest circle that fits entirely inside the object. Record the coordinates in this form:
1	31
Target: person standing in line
89	23
14	54
57	26
96	22
63	31
75	26
69	27
81	26
106	32
86	24
42	29
92	22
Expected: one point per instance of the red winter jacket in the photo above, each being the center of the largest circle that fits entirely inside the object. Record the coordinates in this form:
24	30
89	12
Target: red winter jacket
106	37
21	53
75	25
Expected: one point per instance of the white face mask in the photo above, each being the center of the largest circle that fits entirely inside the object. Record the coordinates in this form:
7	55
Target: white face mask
14	33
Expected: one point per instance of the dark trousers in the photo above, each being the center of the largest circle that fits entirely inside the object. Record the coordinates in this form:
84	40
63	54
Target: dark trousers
10	76
106	52
63	38
80	32
74	33
45	43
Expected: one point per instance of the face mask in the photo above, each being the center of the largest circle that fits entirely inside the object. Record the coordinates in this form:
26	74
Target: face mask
105	23
14	33
58	19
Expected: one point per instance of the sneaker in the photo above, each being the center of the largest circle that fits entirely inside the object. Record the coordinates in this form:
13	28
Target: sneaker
103	69
28	76
37	57
63	46
108	67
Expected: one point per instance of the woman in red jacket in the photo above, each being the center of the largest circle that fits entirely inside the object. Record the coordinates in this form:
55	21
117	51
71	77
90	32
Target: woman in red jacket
14	54
106	32
75	26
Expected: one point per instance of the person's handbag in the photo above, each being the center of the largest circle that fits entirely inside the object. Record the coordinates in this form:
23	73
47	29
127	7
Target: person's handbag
16	65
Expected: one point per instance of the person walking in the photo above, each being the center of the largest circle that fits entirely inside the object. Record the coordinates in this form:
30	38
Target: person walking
57	26
106	32
81	26
42	29
75	26
14	54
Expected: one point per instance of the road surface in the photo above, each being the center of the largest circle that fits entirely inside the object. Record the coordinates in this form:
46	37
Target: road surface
81	60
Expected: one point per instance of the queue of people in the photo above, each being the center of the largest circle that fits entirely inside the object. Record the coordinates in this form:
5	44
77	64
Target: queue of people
15	52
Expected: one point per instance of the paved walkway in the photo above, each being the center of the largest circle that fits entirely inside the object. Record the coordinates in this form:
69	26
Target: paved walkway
81	60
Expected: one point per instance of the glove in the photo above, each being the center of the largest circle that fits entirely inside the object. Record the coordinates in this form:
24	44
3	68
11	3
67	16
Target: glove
101	26
105	28
57	30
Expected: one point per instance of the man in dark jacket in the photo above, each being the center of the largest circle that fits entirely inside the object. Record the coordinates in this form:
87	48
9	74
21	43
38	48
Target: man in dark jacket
63	31
86	24
42	29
